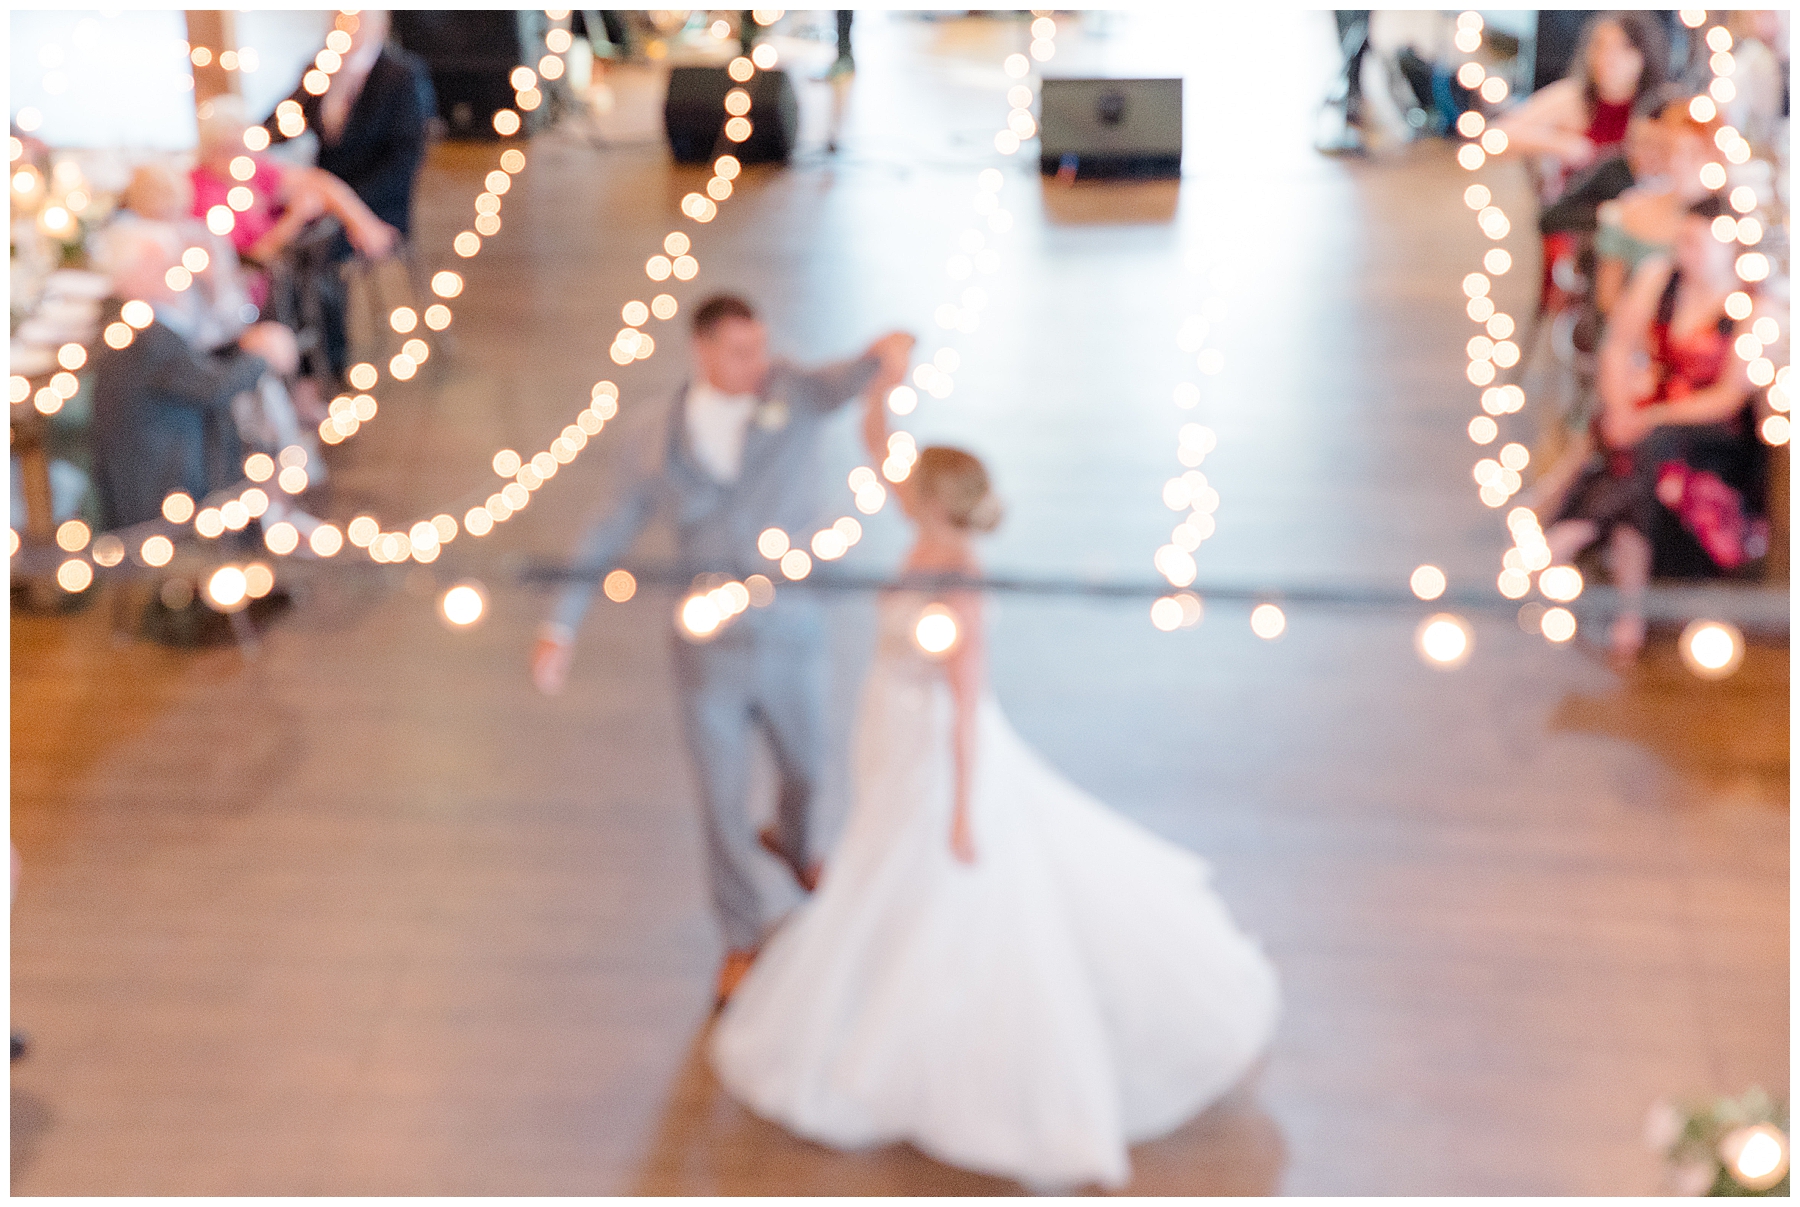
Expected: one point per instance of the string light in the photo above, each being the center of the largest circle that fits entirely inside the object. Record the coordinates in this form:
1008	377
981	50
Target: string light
756	590
1756	1156
1712	649
936	631
1428	582
1557	625
74	576
463	605
1444	641
227	589
1491	351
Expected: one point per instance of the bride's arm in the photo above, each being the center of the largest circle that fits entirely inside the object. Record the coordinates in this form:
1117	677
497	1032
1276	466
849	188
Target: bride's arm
966	668
874	425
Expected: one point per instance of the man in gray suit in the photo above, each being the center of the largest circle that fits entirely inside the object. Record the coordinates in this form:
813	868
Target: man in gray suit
739	455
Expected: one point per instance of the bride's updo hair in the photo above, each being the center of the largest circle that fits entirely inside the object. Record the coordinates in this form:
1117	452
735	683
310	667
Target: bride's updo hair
959	483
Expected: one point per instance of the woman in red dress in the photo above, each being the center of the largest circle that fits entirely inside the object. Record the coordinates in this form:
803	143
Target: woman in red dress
1673	391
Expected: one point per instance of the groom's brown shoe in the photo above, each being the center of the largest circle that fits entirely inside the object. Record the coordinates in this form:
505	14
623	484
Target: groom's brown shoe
808	876
732	973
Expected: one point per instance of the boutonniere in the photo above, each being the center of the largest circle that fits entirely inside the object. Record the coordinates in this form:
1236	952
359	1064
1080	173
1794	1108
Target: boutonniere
772	415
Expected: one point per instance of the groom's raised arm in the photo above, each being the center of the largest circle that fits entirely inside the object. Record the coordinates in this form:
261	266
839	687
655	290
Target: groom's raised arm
830	386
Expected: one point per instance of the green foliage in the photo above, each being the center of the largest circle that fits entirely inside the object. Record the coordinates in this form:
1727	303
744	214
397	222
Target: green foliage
1690	1136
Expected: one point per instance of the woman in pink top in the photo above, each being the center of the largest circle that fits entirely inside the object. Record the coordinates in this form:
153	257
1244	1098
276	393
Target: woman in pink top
284	199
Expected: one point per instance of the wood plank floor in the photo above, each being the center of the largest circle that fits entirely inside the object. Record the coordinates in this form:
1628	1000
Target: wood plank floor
367	915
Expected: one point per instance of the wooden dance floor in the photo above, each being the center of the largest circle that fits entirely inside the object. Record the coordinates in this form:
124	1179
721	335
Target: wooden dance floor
367	915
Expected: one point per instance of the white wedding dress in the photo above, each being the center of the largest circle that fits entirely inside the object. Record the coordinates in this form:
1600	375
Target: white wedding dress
1077	989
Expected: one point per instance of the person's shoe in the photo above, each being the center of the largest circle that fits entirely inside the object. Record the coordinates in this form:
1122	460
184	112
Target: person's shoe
807	877
731	974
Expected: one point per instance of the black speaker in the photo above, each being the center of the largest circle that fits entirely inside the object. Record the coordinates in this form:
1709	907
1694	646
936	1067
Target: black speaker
1101	127
471	54
694	116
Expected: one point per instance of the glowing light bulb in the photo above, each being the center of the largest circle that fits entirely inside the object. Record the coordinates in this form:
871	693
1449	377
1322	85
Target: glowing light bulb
1557	624
936	631
619	586
1757	1156
1444	641
1560	583
1712	649
700	616
463	604
1268	621
282	538
74	575
227	588
1428	582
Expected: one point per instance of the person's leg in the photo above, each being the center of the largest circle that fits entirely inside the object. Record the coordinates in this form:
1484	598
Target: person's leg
1567	538
1418	75
1631	555
790	703
612	21
845	60
715	707
330	309
1353	40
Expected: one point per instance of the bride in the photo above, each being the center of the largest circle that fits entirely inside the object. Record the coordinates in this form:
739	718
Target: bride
994	967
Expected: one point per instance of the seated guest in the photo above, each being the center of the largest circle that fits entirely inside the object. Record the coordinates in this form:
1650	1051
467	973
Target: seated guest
371	126
162	407
217	307
1644	219
1580	120
284	198
1576	211
1760	48
1672	410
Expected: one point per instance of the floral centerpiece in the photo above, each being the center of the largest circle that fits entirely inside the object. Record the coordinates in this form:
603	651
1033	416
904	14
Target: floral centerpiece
1723	1147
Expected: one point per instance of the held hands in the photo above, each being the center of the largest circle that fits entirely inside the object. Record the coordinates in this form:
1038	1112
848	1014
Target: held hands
550	661
895	352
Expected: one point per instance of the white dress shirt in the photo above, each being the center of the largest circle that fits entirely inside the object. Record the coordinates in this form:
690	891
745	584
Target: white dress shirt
716	424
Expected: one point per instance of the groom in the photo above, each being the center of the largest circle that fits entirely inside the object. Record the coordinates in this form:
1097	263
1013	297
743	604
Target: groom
738	456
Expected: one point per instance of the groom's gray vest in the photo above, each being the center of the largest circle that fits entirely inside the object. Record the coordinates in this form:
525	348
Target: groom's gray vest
716	524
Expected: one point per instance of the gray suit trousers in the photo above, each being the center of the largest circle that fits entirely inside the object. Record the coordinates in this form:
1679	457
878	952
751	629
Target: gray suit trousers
729	689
